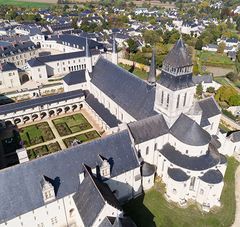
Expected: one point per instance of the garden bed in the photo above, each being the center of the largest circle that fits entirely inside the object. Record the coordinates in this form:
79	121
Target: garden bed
81	138
43	150
71	124
35	134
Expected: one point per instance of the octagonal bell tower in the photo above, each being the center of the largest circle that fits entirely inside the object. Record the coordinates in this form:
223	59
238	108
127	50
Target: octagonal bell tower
175	90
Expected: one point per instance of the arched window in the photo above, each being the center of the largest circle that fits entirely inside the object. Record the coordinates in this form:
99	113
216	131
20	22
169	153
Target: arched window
185	98
178	99
201	191
71	212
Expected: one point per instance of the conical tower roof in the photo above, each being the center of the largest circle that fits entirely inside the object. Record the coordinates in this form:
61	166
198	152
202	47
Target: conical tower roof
178	56
152	72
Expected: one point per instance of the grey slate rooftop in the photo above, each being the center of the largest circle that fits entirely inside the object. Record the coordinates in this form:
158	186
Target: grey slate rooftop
23	181
147	169
14	107
203	162
102	111
234	136
148	128
75	77
178	56
200	79
91	197
7	66
212	176
132	94
177	174
189	132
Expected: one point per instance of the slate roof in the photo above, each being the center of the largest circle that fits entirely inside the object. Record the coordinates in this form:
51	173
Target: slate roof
212	176
210	109
117	222
148	128
147	169
177	174
132	94
75	77
14	107
91	197
59	57
203	162
234	136
102	111
189	132
178	55
7	66
20	189
200	79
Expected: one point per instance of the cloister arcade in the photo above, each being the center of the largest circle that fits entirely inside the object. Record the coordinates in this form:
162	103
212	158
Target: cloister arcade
44	114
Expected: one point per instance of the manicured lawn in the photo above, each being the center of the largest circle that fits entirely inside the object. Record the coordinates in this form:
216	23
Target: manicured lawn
224	128
215	59
153	210
140	73
71	124
43	150
35	134
81	137
25	4
221	80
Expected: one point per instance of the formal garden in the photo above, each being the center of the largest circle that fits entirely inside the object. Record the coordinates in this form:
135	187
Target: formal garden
43	150
81	138
152	209
36	134
71	124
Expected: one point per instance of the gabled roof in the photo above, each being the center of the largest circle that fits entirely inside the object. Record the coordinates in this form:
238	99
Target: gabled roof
148	128
189	132
91	197
132	94
22	182
7	66
178	56
75	77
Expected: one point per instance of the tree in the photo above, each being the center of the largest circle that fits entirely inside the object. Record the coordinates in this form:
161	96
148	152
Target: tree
238	23
224	93
132	45
199	44
199	89
234	100
221	48
232	76
211	90
237	62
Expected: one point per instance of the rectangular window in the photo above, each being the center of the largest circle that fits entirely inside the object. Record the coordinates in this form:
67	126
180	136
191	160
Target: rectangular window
178	99
185	98
162	97
192	183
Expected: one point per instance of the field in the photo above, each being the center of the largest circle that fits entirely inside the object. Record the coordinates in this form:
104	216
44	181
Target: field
140	73
29	3
153	210
35	134
71	124
215	59
81	138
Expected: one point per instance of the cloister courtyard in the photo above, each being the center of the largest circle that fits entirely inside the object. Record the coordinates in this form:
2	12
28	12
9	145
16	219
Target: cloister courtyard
53	134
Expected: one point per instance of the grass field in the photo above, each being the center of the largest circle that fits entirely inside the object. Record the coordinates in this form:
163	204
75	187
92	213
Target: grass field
153	210
30	4
140	73
214	59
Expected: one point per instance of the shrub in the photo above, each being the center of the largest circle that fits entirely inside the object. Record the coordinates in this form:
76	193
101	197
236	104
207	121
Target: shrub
211	90
232	76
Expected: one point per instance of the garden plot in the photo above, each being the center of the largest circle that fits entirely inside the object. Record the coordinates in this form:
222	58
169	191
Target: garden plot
81	138
36	134
71	124
43	150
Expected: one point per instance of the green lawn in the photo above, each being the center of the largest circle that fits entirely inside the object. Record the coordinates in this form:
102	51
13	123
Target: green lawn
43	150
153	210
35	134
71	124
215	59
25	4
140	73
221	80
84	137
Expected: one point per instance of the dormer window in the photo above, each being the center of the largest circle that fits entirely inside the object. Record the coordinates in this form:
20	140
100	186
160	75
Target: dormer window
47	190
105	169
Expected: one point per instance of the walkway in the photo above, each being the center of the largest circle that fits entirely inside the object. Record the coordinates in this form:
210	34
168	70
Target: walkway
237	194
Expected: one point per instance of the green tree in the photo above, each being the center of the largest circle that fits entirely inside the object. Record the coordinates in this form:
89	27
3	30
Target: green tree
221	48
224	93
199	89
199	44
132	45
211	90
237	62
232	76
234	100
